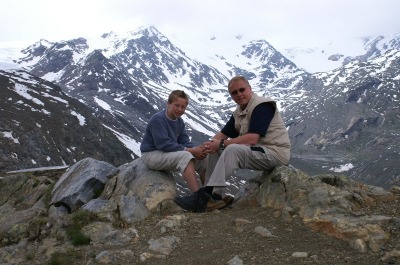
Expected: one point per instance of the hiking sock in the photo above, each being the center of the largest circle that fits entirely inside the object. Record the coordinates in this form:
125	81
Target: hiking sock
209	189
202	199
216	196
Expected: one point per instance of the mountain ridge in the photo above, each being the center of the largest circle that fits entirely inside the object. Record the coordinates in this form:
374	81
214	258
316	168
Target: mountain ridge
127	78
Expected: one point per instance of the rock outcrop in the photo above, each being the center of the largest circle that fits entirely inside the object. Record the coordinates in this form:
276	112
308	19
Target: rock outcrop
39	208
331	204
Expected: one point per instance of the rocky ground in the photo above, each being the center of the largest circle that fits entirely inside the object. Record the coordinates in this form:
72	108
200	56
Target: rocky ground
231	236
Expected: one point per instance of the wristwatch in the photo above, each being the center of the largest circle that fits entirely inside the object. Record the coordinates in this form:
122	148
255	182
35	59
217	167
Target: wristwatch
221	144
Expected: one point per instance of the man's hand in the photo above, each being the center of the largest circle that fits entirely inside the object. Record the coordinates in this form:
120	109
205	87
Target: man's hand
211	146
199	152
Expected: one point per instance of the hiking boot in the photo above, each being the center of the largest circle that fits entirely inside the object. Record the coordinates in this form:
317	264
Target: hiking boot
197	202
228	199
215	205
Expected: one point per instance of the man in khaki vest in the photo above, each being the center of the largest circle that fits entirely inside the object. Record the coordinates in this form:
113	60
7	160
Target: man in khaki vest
255	137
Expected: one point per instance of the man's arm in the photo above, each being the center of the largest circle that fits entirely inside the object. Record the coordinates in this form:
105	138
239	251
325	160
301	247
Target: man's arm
246	139
259	123
215	143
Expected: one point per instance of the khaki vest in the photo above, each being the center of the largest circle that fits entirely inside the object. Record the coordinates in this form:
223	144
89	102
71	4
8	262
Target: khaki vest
276	139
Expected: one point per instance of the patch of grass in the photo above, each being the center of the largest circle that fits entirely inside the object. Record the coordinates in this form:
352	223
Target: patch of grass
36	226
77	237
30	256
40	221
59	258
74	231
82	218
47	194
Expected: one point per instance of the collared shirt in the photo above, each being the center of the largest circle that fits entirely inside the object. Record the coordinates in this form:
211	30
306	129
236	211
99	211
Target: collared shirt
259	122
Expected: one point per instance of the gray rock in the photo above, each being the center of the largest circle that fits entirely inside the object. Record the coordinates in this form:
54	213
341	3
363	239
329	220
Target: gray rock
81	183
112	257
300	255
249	175
57	214
150	187
163	245
22	191
131	210
103	233
265	232
235	261
171	222
395	189
105	257
17	225
392	255
326	204
10	185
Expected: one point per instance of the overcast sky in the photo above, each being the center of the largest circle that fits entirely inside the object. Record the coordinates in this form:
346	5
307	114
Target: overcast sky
284	23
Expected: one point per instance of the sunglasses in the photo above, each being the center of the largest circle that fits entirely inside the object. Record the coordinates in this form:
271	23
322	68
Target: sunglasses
241	90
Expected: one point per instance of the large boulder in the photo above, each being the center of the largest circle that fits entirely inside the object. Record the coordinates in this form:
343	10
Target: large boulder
155	189
82	182
121	195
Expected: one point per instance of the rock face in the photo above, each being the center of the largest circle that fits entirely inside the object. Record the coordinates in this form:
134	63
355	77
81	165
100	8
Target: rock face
152	188
38	207
81	183
327	203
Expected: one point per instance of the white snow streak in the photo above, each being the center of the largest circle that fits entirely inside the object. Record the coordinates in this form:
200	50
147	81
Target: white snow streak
82	120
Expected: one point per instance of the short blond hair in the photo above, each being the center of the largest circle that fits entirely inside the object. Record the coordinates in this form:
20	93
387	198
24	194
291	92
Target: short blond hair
178	94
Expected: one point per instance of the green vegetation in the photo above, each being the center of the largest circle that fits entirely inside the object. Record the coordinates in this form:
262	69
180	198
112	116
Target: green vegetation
47	194
30	256
63	258
74	231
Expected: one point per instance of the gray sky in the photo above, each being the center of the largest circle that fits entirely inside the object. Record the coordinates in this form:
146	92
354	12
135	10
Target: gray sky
284	23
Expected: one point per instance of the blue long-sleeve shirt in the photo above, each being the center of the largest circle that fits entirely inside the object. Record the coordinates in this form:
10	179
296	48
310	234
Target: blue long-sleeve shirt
165	134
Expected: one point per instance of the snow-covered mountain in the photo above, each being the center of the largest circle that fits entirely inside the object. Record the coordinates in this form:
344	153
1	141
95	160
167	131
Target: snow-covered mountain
129	76
351	115
41	126
125	78
336	54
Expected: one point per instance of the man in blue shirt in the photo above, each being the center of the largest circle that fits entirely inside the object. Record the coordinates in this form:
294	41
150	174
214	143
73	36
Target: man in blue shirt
166	146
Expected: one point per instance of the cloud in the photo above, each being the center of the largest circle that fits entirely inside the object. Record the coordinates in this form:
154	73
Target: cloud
283	23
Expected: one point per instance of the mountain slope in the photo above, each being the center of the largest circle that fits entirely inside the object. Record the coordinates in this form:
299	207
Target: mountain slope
41	126
352	114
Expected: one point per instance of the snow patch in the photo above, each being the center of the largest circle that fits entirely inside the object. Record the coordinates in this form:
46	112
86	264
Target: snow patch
129	142
9	135
82	120
23	92
342	168
102	104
